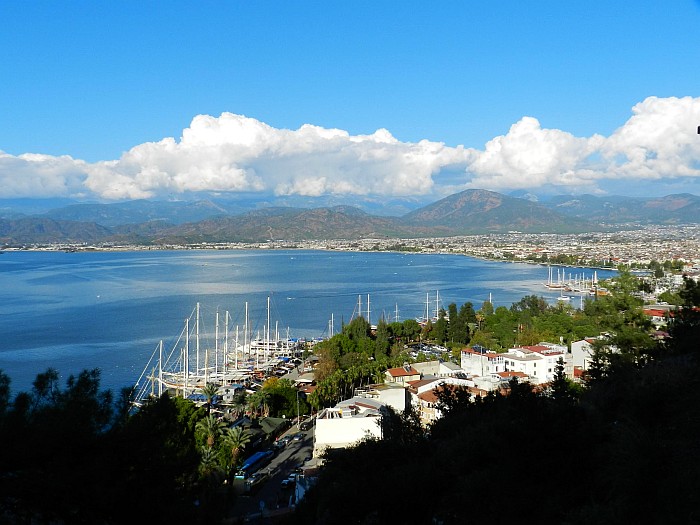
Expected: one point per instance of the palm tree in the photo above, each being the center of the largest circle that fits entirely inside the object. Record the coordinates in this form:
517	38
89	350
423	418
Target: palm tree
235	439
208	466
209	391
259	403
210	428
239	405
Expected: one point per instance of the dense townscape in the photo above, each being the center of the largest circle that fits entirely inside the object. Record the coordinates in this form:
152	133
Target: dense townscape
634	247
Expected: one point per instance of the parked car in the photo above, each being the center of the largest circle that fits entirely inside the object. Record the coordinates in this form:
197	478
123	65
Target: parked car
298	437
289	481
256	480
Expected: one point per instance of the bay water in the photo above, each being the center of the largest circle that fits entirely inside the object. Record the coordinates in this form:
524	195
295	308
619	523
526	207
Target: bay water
109	310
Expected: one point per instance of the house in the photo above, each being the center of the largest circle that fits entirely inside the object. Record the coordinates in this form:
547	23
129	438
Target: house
402	374
657	315
582	353
391	394
424	395
479	361
438	369
347	423
538	362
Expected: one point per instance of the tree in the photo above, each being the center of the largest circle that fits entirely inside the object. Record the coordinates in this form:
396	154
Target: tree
383	338
209	429
234	441
357	329
453	398
487	308
411	329
45	388
561	389
4	392
440	327
209	391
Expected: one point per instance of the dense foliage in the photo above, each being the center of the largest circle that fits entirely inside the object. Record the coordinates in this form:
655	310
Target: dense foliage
69	455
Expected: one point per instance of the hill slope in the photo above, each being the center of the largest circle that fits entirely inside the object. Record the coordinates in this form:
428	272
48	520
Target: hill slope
479	211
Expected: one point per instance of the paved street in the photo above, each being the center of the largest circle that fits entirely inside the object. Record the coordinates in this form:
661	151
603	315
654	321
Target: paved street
271	493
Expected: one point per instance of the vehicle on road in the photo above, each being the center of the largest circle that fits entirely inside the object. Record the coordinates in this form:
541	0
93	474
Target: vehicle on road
253	463
289	481
256	481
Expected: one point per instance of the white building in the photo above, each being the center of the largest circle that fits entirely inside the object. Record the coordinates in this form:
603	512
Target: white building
437	368
347	423
479	361
582	353
539	361
394	395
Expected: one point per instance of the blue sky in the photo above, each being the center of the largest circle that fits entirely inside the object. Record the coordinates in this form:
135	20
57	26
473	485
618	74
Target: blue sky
536	96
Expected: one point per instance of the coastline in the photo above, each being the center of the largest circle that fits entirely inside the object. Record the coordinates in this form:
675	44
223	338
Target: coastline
597	251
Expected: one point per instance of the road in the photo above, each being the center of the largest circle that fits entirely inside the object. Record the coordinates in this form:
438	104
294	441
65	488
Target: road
271	493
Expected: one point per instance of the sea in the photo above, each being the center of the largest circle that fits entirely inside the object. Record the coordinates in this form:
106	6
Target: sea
109	309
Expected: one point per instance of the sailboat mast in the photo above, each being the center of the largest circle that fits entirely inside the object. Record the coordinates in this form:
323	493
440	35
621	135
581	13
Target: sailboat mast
197	340
368	310
235	353
226	345
160	369
266	356
187	356
245	332
216	345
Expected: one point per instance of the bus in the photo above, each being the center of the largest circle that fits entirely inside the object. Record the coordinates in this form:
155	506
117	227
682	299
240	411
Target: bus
253	463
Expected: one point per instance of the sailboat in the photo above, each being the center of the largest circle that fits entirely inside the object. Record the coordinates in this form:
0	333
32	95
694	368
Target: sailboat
185	371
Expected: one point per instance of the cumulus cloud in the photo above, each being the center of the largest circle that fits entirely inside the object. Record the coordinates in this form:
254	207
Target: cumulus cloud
531	157
35	175
658	142
234	153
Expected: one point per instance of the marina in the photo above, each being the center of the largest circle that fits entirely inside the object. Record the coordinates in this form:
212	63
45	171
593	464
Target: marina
226	361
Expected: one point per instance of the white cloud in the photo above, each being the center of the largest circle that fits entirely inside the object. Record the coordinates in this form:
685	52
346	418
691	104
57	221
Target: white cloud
234	153
658	142
530	157
35	175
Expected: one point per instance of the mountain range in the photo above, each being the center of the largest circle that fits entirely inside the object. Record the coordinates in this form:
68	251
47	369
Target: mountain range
467	212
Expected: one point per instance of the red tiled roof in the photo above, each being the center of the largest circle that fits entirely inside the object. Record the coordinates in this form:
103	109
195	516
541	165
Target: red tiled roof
490	355
402	372
420	382
429	396
654	312
511	374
